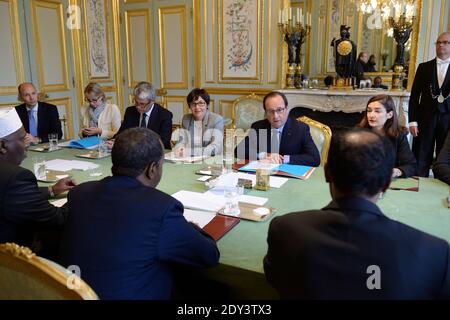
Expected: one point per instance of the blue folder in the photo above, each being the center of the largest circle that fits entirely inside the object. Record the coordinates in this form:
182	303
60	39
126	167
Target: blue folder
85	143
288	170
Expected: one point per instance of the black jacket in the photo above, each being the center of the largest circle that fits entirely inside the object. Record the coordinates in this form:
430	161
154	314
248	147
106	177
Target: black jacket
24	207
441	167
331	254
160	121
48	120
405	159
295	141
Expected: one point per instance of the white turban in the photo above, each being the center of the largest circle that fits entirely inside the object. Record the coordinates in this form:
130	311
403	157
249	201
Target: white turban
9	122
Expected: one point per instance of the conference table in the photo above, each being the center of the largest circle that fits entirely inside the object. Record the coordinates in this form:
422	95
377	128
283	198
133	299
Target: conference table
243	248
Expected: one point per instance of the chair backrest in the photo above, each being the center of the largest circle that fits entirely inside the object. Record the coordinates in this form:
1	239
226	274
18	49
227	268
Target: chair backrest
247	110
24	276
321	135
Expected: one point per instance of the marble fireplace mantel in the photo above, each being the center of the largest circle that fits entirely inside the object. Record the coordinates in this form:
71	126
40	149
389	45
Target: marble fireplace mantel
346	101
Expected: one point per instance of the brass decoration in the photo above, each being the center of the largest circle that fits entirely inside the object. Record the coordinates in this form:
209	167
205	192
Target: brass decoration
344	48
17	251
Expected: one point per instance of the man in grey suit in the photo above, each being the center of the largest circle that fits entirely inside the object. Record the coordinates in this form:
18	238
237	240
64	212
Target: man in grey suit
202	130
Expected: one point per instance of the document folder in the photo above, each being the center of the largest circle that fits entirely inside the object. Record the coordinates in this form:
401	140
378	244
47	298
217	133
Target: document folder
86	143
220	225
284	170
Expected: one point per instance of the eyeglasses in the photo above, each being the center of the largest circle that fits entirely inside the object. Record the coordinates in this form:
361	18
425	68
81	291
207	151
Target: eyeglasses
200	104
92	100
442	42
278	110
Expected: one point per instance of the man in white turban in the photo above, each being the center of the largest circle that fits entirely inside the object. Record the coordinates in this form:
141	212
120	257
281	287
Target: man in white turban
25	209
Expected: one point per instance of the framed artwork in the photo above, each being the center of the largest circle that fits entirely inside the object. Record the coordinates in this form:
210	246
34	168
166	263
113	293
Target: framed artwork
97	36
240	45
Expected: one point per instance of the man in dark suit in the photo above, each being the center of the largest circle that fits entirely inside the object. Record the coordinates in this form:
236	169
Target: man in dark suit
350	249
146	113
279	138
124	234
24	207
38	118
429	105
441	168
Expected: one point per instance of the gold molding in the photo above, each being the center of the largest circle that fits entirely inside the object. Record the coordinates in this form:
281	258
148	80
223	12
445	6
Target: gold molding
260	45
197	40
414	45
24	259
134	1
168	99
269	47
213	29
9	104
221	107
441	18
117	54
37	44
109	78
128	15
16	47
78	63
181	11
67	102
238	91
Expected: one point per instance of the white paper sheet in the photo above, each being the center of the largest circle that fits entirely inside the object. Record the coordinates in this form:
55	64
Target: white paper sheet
275	182
218	196
200	218
199	201
59	203
204	178
67	165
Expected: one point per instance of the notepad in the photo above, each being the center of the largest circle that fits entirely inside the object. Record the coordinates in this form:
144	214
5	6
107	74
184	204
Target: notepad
85	143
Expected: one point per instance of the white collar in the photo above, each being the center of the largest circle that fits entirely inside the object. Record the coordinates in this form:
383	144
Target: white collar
150	111
440	61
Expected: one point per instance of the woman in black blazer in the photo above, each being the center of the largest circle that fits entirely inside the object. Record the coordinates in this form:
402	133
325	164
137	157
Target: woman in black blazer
381	116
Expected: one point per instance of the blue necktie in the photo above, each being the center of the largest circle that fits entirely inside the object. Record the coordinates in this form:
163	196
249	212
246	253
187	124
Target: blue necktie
32	123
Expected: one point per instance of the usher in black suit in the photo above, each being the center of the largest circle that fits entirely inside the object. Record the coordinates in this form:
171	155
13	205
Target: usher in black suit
432	117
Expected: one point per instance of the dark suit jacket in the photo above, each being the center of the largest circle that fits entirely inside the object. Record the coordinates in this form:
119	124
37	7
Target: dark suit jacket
405	159
48	120
441	168
296	142
421	105
24	207
125	236
160	121
325	254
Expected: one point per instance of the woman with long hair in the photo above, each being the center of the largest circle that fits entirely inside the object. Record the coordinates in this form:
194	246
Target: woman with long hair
381	117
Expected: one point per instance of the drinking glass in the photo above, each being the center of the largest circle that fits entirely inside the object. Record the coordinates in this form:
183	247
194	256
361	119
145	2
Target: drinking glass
102	149
39	168
232	204
52	141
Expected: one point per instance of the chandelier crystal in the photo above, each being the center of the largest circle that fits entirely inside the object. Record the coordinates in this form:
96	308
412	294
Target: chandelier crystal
388	8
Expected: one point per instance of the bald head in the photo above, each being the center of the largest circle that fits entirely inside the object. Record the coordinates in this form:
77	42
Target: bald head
360	162
28	93
443	46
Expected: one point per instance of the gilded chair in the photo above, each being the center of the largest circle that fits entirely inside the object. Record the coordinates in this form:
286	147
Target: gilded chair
245	111
25	276
321	135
